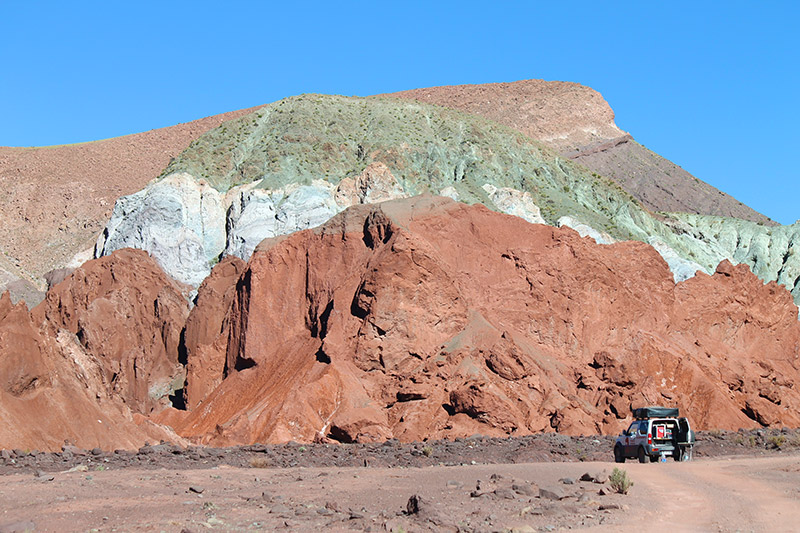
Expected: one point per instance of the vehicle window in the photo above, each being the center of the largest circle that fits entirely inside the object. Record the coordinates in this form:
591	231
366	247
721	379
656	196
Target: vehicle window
643	428
632	429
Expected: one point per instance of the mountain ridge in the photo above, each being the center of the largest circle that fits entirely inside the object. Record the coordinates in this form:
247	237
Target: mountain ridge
578	123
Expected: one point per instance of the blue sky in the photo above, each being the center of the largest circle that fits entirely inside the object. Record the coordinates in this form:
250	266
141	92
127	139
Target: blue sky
713	87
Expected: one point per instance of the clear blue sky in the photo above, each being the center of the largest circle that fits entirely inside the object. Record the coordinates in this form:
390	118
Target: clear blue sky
713	87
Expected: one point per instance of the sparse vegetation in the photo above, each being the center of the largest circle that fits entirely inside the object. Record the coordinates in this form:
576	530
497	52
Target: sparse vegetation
619	481
776	441
427	451
259	462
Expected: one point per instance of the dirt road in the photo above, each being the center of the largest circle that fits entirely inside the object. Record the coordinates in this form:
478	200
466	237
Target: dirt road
723	494
726	494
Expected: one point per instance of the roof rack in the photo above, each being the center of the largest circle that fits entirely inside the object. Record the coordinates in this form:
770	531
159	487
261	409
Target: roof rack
642	413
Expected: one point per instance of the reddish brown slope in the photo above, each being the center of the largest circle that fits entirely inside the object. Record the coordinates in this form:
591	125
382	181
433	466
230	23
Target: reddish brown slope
56	199
577	122
99	353
425	318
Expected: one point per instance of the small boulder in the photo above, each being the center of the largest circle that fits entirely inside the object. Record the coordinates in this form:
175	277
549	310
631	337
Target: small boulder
505	494
595	477
552	493
525	489
73	450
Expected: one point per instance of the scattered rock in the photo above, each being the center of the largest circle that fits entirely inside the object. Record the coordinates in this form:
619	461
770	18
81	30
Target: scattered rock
281	509
355	515
73	451
415	504
552	493
609	507
505	494
43	476
596	477
567	480
196	489
525	489
333	506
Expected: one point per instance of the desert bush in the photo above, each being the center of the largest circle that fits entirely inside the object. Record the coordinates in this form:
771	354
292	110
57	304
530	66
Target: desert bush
427	451
259	462
776	441
619	480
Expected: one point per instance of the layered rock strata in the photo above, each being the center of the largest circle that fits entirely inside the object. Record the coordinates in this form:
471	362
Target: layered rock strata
426	318
294	164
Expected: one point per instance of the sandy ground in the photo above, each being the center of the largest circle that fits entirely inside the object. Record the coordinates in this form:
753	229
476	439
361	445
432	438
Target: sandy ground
718	494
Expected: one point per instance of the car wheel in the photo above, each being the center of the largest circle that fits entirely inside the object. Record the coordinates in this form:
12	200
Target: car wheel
643	457
619	455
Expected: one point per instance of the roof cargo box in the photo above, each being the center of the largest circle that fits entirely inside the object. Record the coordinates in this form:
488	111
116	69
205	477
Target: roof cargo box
655	412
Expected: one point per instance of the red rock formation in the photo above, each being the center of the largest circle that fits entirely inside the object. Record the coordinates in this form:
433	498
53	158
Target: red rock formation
418	318
100	351
424	318
207	330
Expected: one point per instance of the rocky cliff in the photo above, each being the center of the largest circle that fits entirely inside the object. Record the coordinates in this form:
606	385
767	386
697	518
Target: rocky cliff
427	318
414	318
95	358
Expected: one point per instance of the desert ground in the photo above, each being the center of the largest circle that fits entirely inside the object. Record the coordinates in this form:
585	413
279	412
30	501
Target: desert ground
534	484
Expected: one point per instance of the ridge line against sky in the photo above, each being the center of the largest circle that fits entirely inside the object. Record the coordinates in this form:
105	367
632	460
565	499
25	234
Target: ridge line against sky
712	87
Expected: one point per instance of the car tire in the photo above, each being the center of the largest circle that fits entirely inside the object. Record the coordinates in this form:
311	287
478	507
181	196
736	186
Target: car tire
643	457
619	455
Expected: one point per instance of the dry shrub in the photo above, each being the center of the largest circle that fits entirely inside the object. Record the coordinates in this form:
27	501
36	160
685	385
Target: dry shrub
259	462
619	481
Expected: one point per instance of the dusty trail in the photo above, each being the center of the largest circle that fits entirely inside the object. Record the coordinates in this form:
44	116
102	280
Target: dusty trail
729	494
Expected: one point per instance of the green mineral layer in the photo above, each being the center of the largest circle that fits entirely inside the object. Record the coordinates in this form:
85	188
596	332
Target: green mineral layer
429	148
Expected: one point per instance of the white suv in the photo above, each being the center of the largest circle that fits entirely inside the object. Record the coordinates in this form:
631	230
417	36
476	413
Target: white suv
656	432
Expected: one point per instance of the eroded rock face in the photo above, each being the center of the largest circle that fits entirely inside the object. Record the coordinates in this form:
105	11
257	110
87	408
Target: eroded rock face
91	360
425	318
207	329
127	316
182	223
770	252
178	220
